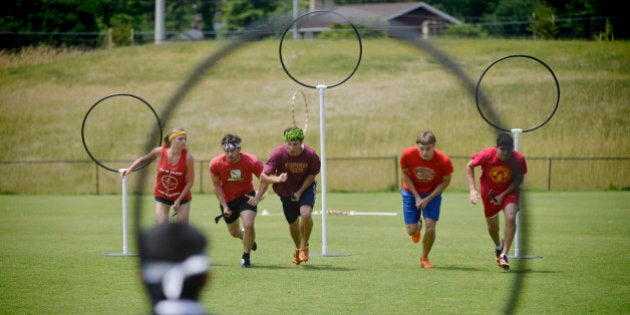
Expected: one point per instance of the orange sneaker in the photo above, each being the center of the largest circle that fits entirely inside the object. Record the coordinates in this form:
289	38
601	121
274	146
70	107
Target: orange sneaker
416	237
303	254
503	262
424	263
296	259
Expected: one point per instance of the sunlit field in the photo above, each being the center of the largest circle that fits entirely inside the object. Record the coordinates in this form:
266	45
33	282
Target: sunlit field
53	259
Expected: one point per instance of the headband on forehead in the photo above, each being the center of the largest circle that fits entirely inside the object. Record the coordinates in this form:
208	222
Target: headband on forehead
176	134
231	145
172	275
294	135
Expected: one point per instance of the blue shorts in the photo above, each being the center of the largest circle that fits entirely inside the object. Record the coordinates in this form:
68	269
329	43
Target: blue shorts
292	208
412	214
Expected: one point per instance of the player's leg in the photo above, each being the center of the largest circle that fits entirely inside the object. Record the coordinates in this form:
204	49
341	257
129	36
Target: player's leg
249	236
161	212
306	226
411	216
493	228
291	213
431	216
183	212
510	226
429	236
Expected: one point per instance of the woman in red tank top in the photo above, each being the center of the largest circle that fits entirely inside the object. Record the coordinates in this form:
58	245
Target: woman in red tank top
175	176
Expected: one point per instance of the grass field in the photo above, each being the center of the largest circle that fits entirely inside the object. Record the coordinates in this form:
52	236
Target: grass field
51	259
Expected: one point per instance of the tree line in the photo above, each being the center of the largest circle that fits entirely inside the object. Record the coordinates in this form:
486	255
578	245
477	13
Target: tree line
58	22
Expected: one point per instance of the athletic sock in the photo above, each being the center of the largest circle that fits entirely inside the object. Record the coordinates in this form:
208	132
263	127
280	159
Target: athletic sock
245	256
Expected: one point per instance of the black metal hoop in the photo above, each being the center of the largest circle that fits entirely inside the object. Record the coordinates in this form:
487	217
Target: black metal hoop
94	106
301	17
502	128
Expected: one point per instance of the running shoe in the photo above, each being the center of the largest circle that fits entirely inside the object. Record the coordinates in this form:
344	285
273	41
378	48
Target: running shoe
497	251
416	236
254	246
503	262
245	263
424	263
296	258
303	254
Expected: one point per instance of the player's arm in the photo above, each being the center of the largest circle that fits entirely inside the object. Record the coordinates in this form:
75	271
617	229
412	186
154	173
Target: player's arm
439	188
410	184
149	157
308	181
260	193
273	179
190	179
517	180
470	174
219	193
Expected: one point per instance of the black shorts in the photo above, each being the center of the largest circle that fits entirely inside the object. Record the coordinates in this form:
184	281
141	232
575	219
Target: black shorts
169	202
237	205
292	208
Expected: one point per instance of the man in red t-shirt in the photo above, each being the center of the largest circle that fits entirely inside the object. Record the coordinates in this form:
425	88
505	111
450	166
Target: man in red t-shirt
502	172
426	172
232	174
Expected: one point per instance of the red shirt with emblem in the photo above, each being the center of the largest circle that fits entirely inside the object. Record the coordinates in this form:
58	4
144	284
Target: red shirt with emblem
426	175
171	179
496	174
236	178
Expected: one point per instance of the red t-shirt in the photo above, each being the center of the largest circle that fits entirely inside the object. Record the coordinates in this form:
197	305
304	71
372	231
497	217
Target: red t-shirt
236	179
426	175
171	179
496	174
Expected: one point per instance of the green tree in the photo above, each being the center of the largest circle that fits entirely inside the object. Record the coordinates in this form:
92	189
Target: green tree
543	24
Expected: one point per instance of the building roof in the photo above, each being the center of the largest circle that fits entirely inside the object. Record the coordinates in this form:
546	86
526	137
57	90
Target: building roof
392	11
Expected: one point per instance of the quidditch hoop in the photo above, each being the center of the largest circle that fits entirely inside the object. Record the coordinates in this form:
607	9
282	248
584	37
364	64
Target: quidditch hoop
496	125
327	85
101	164
305	109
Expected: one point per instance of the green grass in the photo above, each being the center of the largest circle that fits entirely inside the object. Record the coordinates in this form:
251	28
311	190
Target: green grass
397	92
51	259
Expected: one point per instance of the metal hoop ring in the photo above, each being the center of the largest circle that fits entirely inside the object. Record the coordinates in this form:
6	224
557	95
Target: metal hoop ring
94	106
502	128
305	109
313	86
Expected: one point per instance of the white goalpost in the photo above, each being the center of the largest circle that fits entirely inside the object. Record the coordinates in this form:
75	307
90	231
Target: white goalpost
125	214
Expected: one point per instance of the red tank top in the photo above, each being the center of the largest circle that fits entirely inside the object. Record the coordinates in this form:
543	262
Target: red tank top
171	179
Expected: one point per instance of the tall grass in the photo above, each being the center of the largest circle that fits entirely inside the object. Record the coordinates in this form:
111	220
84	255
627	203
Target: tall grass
397	92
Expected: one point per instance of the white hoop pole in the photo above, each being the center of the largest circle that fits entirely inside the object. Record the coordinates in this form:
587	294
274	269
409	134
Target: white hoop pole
124	214
125	249
516	133
322	140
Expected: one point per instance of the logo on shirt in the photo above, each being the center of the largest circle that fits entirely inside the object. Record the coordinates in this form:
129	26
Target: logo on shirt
424	174
169	182
500	174
235	176
296	167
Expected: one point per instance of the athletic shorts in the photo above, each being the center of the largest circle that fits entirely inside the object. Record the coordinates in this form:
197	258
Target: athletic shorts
412	214
490	209
237	206
292	208
170	202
